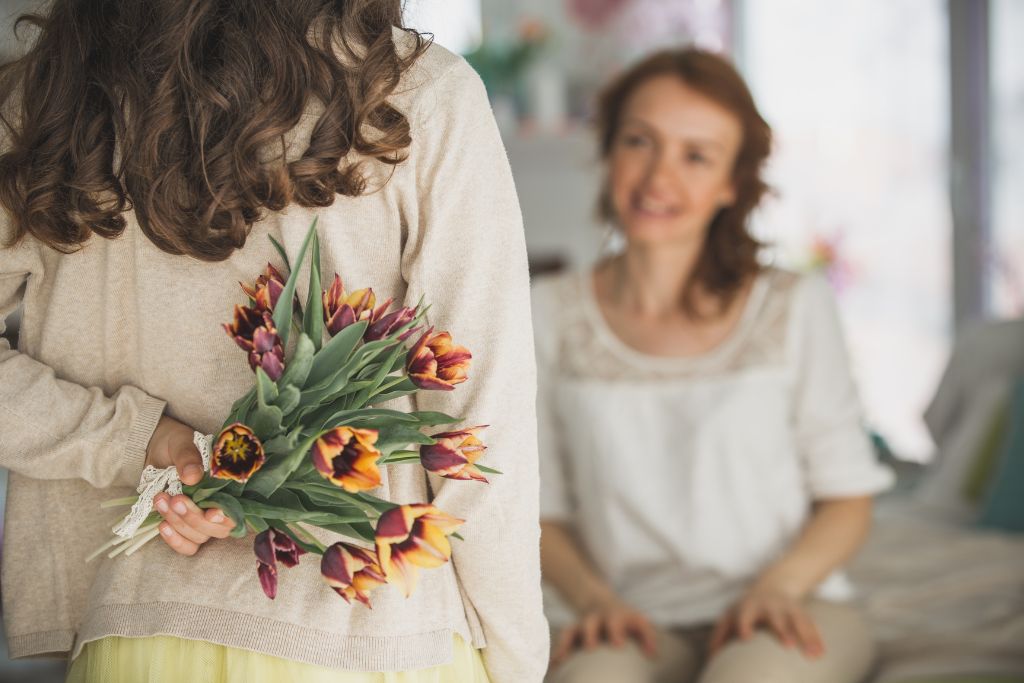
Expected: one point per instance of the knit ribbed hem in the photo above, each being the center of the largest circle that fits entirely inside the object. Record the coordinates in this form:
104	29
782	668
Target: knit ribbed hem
54	643
134	458
267	636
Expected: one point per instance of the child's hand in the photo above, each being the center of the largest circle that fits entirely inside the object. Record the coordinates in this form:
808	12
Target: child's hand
185	526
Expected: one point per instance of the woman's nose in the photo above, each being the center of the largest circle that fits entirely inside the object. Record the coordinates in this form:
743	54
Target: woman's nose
663	178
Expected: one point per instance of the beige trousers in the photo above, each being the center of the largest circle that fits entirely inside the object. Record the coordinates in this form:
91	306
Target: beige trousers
681	656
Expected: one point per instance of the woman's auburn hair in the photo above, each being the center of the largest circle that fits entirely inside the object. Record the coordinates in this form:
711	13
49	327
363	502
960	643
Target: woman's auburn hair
730	254
169	109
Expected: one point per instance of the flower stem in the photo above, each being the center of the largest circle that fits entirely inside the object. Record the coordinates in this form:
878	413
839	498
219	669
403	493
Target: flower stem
127	543
143	541
307	537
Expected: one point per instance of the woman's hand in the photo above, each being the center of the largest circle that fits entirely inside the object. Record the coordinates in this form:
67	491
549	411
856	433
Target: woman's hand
185	526
774	609
610	621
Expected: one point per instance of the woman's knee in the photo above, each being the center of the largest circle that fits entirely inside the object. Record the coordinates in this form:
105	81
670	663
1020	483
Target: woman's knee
848	656
604	664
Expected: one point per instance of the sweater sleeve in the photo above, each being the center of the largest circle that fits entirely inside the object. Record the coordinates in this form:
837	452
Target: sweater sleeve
837	455
466	254
51	428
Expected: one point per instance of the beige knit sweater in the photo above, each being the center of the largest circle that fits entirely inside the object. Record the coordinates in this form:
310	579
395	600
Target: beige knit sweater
120	332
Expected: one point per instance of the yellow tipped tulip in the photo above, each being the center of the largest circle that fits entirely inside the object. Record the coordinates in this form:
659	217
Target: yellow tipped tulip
413	536
346	456
237	454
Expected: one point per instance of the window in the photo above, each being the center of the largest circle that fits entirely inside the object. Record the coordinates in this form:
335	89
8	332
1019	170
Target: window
1005	257
857	94
455	24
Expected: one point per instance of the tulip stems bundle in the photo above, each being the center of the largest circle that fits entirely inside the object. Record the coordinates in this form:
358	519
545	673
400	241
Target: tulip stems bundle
303	448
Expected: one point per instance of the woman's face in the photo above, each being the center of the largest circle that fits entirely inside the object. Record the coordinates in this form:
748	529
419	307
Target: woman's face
670	163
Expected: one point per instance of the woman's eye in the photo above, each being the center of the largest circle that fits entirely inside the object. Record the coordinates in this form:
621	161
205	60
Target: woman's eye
696	158
634	140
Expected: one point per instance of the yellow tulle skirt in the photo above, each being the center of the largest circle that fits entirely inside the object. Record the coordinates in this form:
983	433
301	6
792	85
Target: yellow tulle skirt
165	659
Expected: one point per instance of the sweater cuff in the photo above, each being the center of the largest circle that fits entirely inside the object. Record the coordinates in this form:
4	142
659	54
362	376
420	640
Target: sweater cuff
134	458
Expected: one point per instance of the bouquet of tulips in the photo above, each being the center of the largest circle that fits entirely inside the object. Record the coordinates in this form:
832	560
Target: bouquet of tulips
304	446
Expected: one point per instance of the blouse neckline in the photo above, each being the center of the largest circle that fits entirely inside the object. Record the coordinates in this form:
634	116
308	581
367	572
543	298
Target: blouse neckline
592	311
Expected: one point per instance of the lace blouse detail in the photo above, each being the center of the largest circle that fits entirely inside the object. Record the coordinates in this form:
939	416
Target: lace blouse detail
587	348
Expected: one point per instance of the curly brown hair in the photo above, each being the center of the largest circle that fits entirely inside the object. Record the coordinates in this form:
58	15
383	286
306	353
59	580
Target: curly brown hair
730	254
173	109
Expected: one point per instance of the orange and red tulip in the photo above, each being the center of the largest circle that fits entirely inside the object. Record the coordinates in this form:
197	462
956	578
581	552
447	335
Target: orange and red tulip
342	309
237	454
454	454
413	536
437	363
352	571
266	290
347	457
253	330
272	546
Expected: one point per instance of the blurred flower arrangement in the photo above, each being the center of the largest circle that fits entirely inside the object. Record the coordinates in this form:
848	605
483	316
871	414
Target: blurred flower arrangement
502	65
305	445
827	255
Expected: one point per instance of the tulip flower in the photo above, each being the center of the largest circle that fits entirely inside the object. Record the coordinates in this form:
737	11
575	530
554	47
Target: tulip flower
267	289
383	324
253	330
342	309
436	363
272	546
411	536
351	571
346	456
454	454
237	454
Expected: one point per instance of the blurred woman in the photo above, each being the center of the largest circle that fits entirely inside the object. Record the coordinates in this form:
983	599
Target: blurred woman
704	471
148	150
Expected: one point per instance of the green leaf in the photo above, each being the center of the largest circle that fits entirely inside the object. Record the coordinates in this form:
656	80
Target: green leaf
257	524
399	436
295	514
363	531
282	444
403	388
432	418
265	421
283	309
297	370
326	501
400	457
383	370
488	470
231	507
326	399
372	418
374	502
275	472
334	353
313	318
266	390
205	488
281	252
288	399
240	409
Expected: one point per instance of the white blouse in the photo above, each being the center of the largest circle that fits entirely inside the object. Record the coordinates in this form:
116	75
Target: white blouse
684	477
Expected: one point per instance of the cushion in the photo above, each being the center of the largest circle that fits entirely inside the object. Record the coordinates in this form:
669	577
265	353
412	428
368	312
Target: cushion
1003	507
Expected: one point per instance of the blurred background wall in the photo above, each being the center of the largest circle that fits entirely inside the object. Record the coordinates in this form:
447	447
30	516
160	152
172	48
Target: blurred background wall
900	144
